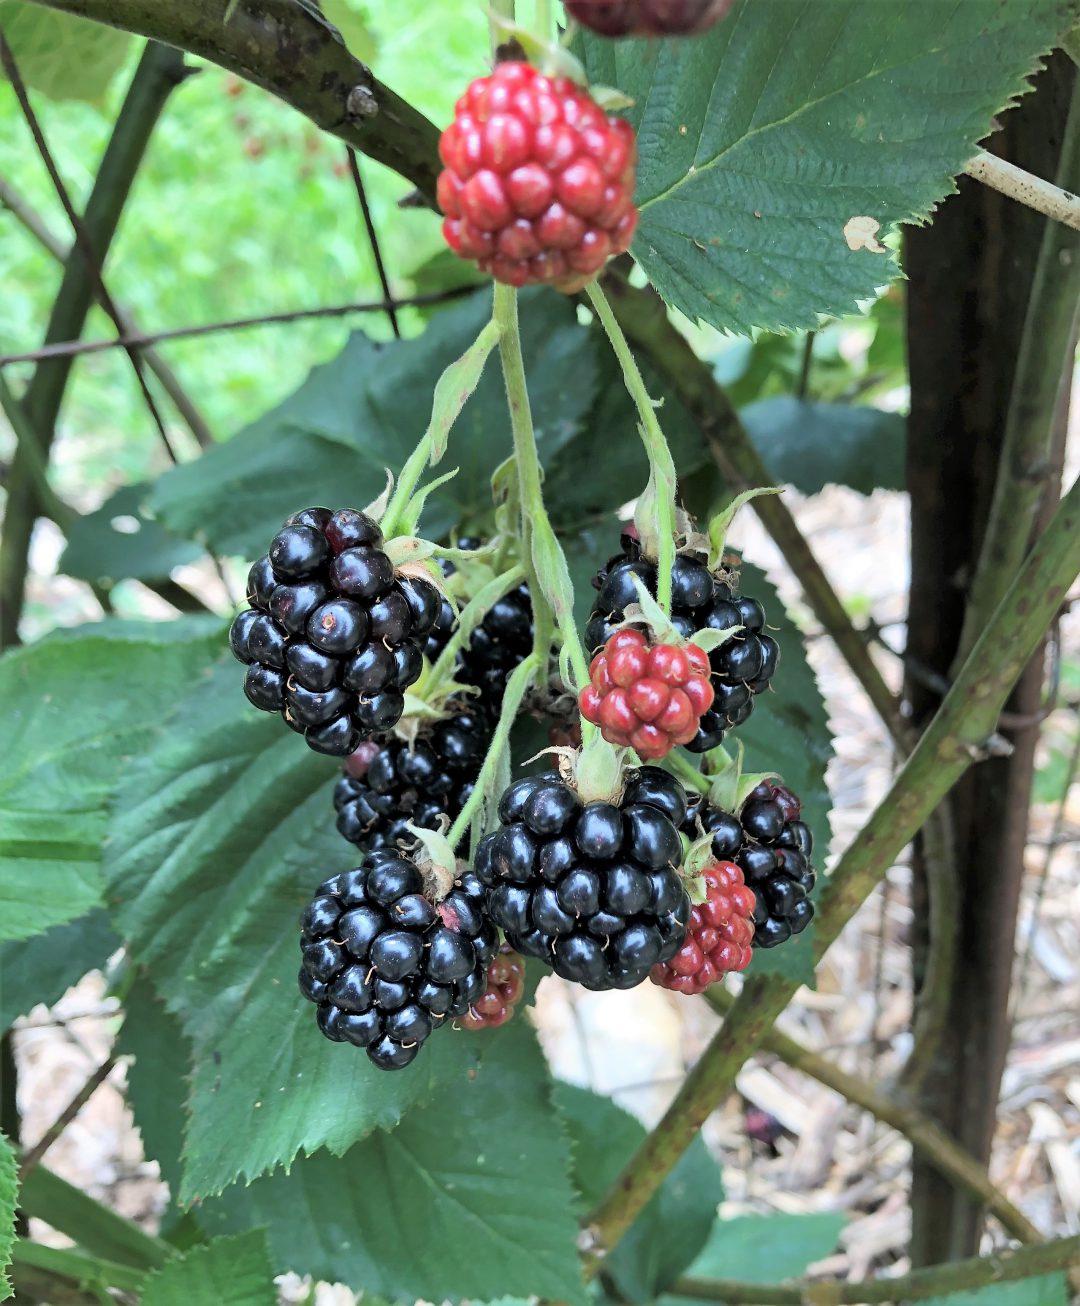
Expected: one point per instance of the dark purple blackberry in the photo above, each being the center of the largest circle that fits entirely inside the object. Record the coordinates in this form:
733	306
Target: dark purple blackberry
591	889
414	783
742	667
384	965
772	847
333	637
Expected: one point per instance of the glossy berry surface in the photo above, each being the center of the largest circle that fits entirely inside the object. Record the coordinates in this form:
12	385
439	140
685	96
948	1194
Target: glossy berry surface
538	181
648	17
505	989
591	889
719	936
417	783
332	637
649	697
772	847
384	966
741	668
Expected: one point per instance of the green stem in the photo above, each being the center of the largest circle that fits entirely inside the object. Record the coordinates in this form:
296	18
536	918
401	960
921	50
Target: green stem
76	1266
953	742
663	477
691	776
937	1281
549	576
516	688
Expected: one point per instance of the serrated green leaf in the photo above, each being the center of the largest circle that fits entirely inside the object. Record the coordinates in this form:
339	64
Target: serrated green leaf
9	1190
75	711
1047	1290
364	412
765	1248
226	1272
763	141
42	969
482	1168
788	733
673	1227
63	57
119	542
811	445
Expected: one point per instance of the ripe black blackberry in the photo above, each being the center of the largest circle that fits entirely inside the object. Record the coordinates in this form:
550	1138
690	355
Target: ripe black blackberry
742	667
333	636
415	782
591	889
772	847
386	966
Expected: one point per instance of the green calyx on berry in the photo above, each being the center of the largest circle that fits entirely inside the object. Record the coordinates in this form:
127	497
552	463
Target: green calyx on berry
648	613
729	785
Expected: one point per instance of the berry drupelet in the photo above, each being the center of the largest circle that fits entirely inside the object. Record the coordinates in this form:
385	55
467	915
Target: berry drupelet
333	636
592	889
415	783
772	847
384	965
648	17
538	181
742	667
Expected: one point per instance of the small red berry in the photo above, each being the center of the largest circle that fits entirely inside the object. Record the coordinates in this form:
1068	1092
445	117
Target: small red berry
505	989
718	936
649	697
648	17
538	181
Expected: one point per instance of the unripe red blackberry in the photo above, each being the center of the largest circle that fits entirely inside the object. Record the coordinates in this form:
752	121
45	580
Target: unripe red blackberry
538	181
505	989
648	17
719	935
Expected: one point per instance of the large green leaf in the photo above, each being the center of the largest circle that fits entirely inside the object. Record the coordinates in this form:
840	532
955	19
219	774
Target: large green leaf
789	733
673	1227
64	57
363	413
42	969
75	711
1049	1290
226	1272
811	445
468	1197
767	144
120	541
349	18
8	1194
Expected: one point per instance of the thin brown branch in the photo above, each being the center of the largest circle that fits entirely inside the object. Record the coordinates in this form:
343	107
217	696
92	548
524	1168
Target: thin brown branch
1033	192
373	240
35	1154
139	340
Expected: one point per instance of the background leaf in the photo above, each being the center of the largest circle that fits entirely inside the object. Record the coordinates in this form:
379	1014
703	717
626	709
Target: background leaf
811	445
75	711
673	1228
42	969
120	541
762	139
8	1197
1048	1290
349	18
226	1272
64	57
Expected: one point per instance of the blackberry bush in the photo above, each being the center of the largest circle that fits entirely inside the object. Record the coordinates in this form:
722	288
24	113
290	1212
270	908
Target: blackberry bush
384	964
333	636
742	667
590	888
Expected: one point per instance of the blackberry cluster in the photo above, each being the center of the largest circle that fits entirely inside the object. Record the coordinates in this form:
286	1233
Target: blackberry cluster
333	637
719	937
591	889
742	667
384	965
772	847
414	783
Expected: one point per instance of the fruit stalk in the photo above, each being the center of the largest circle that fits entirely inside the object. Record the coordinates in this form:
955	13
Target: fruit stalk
954	742
663	477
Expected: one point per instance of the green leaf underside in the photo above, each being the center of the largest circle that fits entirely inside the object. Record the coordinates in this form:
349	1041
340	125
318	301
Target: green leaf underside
76	710
481	1170
119	541
226	1272
364	411
811	445
673	1227
40	970
8	1194
63	57
789	733
762	139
